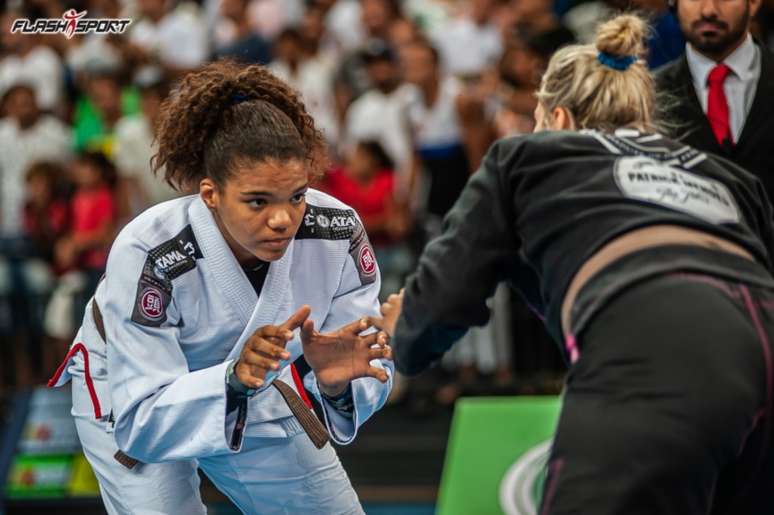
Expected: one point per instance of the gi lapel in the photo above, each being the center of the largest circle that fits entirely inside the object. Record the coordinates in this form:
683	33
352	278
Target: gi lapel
228	277
275	299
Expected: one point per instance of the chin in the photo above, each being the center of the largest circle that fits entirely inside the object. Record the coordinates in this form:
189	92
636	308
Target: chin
270	254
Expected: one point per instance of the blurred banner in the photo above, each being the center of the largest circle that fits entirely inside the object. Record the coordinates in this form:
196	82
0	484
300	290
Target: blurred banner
495	460
45	455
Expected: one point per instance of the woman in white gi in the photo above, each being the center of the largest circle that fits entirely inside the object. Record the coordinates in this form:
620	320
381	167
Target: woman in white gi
189	351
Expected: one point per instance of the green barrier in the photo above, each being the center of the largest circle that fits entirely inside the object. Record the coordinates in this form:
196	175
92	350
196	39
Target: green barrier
496	456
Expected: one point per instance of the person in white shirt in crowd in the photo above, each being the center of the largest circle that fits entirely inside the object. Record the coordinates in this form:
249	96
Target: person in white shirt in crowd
470	42
134	145
26	135
311	74
379	114
176	37
26	59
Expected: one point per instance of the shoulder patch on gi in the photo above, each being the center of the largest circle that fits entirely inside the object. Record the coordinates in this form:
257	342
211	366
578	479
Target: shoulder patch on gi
164	263
327	223
361	251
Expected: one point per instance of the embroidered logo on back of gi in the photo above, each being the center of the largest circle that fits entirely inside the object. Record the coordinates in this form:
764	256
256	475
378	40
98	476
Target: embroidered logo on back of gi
164	263
653	181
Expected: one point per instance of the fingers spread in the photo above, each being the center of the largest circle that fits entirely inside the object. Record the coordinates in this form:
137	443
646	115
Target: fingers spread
380	353
272	346
307	331
255	360
297	319
273	331
377	373
356	327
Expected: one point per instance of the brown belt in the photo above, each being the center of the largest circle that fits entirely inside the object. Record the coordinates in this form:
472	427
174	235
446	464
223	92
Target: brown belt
312	426
650	236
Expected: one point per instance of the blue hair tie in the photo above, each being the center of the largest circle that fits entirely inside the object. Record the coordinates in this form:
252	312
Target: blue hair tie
238	98
616	63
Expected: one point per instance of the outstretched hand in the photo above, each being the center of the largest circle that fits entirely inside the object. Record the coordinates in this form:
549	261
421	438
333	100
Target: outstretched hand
266	347
344	355
390	310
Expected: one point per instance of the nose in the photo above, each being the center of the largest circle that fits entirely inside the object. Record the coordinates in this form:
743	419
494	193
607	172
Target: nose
280	220
708	8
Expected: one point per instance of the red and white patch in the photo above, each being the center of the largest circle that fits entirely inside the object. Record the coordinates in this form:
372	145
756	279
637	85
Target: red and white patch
367	260
151	304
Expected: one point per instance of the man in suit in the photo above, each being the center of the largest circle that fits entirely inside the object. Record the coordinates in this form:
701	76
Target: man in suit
719	95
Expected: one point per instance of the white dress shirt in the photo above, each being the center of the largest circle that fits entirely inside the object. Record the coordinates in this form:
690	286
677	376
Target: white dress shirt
739	86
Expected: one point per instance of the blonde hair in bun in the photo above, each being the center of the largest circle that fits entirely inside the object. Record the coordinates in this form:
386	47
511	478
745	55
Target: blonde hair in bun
606	85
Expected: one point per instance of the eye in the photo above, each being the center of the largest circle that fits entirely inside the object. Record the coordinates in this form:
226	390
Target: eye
257	203
297	198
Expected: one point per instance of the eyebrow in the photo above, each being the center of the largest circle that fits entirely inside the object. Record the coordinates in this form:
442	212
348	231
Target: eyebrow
269	194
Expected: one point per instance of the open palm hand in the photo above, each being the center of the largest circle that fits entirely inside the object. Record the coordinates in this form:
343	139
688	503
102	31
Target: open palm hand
344	355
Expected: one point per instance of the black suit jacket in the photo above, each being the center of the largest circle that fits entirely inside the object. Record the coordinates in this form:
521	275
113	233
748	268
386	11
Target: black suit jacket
755	149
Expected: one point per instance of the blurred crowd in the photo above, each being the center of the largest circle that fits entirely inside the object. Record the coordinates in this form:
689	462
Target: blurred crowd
408	94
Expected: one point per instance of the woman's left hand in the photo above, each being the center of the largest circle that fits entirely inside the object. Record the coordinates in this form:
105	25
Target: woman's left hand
344	355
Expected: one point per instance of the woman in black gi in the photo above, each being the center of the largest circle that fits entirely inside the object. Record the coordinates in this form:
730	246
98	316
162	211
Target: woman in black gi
650	263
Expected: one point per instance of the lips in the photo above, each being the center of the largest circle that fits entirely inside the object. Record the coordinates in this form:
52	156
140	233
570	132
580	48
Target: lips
709	27
278	243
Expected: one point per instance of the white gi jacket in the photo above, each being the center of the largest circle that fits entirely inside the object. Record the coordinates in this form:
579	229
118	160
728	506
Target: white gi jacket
177	309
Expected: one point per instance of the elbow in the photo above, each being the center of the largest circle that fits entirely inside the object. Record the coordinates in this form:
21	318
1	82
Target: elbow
134	442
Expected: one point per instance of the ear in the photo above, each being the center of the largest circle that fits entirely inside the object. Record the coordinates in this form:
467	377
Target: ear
208	190
561	119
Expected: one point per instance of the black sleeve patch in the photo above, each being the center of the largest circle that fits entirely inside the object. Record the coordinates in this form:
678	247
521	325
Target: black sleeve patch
165	262
327	223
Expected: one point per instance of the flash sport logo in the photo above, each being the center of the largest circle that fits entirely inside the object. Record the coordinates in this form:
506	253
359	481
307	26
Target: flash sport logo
72	22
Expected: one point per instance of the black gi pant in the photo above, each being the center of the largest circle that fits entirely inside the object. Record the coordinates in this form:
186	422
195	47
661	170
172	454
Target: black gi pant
669	408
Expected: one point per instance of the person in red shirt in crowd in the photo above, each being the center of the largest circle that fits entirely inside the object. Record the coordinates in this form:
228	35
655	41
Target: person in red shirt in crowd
93	216
93	212
366	182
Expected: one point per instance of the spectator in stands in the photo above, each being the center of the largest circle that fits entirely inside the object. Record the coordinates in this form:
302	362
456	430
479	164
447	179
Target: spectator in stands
471	42
523	62
379	113
26	59
443	148
93	208
378	16
720	92
134	146
98	111
176	38
46	212
26	135
238	39
665	42
533	17
299	63
366	183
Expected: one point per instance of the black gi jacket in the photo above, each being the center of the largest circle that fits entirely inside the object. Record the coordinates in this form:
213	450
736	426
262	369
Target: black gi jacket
542	204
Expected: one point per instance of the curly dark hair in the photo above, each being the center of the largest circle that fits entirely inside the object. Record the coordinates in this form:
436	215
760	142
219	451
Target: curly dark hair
226	115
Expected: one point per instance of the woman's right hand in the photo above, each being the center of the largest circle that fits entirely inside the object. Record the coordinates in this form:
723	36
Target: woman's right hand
265	348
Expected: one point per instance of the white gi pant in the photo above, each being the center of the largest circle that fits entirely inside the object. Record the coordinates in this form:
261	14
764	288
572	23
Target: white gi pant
268	476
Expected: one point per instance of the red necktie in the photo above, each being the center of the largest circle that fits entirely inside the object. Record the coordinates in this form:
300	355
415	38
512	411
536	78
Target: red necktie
717	105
